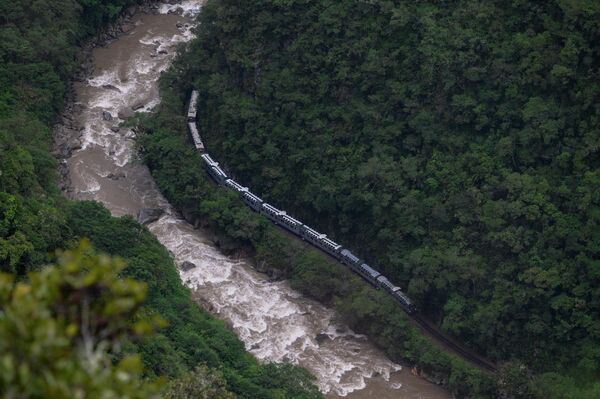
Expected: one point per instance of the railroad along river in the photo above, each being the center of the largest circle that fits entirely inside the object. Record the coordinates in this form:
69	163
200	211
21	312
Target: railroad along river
274	322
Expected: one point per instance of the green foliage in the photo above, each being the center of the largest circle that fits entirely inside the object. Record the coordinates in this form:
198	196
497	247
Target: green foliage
60	330
97	13
555	385
201	383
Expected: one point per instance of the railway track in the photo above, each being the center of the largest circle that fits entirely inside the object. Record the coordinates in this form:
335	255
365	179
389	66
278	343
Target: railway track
455	347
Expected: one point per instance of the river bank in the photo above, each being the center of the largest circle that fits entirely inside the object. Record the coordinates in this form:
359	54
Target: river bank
67	132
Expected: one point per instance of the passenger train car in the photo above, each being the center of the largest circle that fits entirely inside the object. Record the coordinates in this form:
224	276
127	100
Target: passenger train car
252	201
191	115
213	169
291	224
195	136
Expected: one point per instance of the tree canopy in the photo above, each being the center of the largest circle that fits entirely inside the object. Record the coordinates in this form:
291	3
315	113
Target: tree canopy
60	330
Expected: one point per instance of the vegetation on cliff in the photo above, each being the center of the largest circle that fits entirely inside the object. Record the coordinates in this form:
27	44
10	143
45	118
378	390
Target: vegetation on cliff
453	145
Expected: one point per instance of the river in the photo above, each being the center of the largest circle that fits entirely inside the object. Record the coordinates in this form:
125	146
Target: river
274	322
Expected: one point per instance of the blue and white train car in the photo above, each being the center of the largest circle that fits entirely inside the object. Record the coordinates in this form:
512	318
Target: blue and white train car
331	247
235	186
191	114
321	241
271	212
405	301
218	175
291	224
195	136
208	161
386	284
368	273
350	259
214	170
311	235
252	201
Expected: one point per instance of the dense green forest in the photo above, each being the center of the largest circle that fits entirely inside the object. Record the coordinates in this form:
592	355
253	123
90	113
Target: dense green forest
454	145
40	326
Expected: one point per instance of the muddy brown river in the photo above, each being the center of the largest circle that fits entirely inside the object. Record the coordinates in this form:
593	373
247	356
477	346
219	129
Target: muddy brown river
275	322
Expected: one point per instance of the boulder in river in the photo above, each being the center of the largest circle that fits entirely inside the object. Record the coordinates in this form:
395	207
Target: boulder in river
115	129
76	144
322	337
111	87
275	274
185	266
137	105
126	113
107	116
78	107
116	176
130	12
126	28
149	215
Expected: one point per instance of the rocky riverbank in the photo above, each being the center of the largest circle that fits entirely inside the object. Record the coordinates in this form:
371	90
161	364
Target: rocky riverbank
68	131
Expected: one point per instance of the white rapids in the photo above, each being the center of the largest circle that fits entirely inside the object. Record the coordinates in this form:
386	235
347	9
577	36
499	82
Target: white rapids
274	322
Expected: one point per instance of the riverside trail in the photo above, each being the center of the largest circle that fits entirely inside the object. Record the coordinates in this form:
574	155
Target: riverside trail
274	322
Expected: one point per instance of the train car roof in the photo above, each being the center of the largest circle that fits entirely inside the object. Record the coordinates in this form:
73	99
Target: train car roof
219	170
271	207
331	242
383	280
194	98
403	296
291	219
370	270
236	185
310	230
253	196
209	159
195	135
350	255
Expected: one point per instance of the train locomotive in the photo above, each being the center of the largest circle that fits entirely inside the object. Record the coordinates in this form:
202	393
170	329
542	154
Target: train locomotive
289	223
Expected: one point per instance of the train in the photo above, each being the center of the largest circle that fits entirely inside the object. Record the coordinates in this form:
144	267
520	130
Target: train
289	223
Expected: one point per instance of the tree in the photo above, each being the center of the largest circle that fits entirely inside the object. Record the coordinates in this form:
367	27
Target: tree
201	383
61	330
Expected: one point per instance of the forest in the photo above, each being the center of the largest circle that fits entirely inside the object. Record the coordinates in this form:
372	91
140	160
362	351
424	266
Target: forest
454	145
128	312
